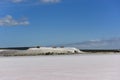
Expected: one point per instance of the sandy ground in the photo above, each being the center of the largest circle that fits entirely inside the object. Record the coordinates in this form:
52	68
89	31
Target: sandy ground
72	67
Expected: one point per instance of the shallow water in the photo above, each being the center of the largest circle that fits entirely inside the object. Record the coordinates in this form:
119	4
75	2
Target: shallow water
72	67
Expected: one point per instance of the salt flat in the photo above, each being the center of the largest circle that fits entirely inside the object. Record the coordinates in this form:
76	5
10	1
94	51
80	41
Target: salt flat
72	67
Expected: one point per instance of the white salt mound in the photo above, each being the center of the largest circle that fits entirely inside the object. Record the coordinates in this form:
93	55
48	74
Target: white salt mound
41	50
54	50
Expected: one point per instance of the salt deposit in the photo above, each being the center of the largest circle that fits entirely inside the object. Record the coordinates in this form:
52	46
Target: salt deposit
55	50
40	51
72	67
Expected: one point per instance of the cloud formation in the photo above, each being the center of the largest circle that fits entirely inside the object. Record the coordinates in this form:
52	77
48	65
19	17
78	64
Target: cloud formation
10	21
17	1
113	43
35	1
9	3
50	1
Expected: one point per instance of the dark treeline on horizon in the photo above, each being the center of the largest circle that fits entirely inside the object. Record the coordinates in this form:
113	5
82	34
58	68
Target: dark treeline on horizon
100	50
16	48
85	50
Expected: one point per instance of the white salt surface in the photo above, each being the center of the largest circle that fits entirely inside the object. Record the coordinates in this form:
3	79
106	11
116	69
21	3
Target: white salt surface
72	67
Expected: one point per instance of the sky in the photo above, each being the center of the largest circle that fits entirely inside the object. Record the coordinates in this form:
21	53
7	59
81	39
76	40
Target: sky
52	22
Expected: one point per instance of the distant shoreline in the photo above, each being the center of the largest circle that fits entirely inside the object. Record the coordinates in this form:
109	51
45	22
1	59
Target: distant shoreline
26	51
48	54
34	51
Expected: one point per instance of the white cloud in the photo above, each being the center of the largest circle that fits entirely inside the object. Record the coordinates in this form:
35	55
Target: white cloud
50	1
112	43
10	21
39	1
17	1
29	2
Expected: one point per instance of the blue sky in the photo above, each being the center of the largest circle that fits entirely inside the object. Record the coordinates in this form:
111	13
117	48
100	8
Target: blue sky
51	22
